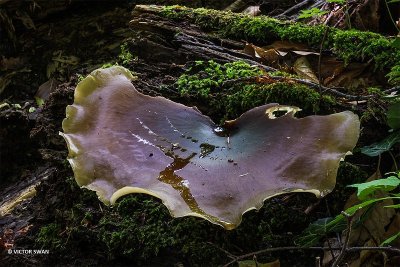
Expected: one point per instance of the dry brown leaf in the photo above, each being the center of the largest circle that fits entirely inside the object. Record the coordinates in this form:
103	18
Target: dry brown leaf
12	63
269	56
348	77
329	255
330	68
252	11
249	50
366	16
303	68
304	53
393	262
287	46
45	89
378	218
373	230
393	229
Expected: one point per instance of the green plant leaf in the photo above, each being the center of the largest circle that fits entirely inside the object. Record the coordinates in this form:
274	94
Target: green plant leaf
393	1
366	189
316	230
396	42
390	240
39	101
393	116
382	146
396	206
313	12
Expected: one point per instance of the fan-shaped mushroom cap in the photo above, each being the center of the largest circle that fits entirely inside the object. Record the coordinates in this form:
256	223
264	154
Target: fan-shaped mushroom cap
121	141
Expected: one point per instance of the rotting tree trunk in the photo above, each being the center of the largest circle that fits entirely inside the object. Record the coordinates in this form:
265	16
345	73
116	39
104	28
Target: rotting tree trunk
166	40
346	45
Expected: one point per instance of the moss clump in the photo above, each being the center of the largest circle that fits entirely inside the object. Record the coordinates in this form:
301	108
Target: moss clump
48	236
140	231
375	113
286	93
206	78
126	57
352	45
347	174
394	75
141	228
204	85
348	45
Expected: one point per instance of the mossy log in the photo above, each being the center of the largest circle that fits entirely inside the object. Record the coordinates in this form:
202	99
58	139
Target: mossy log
348	45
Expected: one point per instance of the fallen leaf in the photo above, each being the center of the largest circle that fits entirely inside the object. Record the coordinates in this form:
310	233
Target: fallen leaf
372	226
348	77
393	231
45	89
303	68
269	56
305	53
287	46
330	255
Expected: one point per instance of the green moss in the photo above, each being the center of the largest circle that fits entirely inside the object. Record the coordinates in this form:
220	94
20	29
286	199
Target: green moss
347	174
141	228
280	73
374	113
353	45
349	45
80	77
204	84
394	75
138	230
126	57
107	65
206	78
48	236
286	93
375	91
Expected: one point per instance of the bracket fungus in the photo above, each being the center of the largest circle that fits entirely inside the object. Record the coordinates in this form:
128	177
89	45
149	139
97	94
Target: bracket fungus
121	141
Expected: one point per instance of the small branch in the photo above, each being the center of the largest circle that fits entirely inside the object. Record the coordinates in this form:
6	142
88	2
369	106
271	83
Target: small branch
394	160
320	50
318	262
346	239
352	249
295	8
230	255
311	84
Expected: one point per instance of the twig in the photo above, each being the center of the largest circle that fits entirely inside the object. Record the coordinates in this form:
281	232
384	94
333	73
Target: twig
346	239
352	249
320	50
394	160
295	8
391	17
318	262
230	255
311	84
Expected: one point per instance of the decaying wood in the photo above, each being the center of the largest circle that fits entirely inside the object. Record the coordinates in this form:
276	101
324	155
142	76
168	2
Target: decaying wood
179	43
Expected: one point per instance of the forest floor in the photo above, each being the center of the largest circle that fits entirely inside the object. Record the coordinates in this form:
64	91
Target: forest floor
42	207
